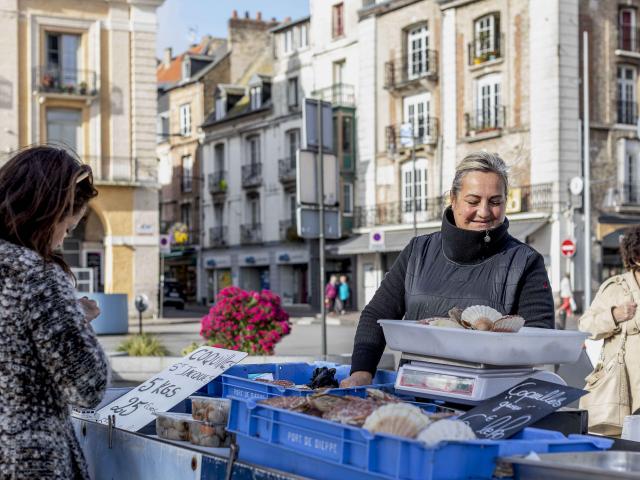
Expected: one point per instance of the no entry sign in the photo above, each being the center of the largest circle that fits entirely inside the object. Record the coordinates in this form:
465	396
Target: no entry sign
568	248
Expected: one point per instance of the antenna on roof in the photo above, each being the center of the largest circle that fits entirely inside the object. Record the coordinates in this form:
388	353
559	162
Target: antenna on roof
192	35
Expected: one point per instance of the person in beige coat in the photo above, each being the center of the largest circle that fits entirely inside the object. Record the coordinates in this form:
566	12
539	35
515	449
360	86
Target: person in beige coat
612	312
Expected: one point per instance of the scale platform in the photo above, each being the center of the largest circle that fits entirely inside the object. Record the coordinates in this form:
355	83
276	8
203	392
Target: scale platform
461	382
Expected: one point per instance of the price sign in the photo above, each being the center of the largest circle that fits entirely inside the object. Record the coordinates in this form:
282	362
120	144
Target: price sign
506	414
161	392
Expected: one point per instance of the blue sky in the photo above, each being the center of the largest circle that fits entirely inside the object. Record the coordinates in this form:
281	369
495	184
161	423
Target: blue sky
176	18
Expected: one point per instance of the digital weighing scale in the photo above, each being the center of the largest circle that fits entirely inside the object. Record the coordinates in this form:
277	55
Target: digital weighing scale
461	382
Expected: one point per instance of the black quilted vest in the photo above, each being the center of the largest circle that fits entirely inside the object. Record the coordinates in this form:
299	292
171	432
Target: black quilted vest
458	268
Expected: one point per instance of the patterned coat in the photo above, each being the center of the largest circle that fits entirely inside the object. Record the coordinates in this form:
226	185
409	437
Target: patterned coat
49	359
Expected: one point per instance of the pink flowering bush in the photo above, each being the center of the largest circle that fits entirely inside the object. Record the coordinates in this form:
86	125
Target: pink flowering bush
247	321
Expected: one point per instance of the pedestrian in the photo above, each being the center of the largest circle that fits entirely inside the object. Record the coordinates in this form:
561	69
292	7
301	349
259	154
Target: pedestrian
50	357
431	275
566	302
614	384
330	293
344	292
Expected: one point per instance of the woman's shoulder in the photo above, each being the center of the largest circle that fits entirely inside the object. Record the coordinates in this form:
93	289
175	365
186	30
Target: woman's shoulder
19	258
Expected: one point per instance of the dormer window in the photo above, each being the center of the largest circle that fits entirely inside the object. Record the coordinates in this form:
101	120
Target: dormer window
288	41
186	68
220	108
256	98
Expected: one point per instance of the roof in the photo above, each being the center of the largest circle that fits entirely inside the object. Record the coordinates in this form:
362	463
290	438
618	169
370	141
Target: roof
205	50
284	26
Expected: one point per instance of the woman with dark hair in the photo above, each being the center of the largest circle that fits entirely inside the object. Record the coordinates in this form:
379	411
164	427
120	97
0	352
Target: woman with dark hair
50	357
612	318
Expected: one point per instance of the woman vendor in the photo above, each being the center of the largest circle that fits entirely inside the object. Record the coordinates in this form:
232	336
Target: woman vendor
472	261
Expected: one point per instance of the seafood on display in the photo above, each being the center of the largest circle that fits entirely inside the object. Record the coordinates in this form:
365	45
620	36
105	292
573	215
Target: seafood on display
477	317
399	419
208	409
445	430
173	426
208	434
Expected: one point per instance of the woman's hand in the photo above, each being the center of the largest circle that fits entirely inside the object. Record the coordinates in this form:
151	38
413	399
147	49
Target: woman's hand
624	312
90	308
357	379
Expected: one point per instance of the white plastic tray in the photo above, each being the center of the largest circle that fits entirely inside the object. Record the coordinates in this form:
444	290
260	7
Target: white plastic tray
530	346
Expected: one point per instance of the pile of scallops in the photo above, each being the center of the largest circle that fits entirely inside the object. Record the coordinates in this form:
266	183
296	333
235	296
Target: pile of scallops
477	317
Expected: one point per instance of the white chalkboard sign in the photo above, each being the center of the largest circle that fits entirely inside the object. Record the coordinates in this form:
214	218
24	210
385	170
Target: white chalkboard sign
136	409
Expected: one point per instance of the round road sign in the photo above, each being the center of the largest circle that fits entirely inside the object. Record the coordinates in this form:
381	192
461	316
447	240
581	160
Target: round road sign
568	248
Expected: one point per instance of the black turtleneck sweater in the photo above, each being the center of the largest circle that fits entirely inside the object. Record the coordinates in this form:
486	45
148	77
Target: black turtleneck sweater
455	267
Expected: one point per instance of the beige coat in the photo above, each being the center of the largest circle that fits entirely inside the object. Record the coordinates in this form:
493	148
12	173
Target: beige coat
598	321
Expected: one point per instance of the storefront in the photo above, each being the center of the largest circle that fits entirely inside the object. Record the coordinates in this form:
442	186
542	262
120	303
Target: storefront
293	274
218	274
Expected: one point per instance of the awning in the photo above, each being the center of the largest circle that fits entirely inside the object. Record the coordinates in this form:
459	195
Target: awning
396	240
612	240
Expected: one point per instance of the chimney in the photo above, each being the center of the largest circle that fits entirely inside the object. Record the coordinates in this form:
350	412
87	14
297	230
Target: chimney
259	16
287	19
166	59
246	14
234	14
273	19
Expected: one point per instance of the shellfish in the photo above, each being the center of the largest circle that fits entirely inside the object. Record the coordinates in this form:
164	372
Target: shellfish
445	430
483	318
399	419
441	322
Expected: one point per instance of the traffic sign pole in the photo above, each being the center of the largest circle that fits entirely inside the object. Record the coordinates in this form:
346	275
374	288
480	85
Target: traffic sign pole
323	307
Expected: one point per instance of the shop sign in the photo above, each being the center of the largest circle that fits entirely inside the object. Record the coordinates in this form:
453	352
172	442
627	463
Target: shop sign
254	260
136	409
217	262
292	257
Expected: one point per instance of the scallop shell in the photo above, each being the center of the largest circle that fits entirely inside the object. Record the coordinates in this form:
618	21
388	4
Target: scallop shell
445	430
441	322
399	419
480	317
508	323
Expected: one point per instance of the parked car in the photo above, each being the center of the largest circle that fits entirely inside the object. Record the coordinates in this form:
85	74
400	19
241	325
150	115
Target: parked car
174	295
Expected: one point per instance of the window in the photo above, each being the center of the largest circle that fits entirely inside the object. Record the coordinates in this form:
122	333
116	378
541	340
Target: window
163	126
420	189
186	68
185	214
487	37
64	126
347	135
416	114
185	120
253	150
488	106
293	142
417	52
218	214
304	36
220	108
627	29
292	92
256	98
288	41
292	207
219	157
253	212
187	173
63	58
338	20
347	199
627	95
338	72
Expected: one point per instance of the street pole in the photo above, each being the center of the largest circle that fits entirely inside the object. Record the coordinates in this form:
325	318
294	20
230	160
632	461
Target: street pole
415	200
320	170
586	171
161	307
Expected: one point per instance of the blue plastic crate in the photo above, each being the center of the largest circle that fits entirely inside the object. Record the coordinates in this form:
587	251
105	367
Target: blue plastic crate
235	382
318	448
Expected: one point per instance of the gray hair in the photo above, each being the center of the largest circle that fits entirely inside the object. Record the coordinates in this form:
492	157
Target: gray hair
480	162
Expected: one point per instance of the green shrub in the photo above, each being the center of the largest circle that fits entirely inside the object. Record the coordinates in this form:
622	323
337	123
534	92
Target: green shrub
143	346
190	348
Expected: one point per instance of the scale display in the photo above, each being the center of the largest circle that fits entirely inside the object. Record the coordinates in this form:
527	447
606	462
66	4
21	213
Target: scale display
437	382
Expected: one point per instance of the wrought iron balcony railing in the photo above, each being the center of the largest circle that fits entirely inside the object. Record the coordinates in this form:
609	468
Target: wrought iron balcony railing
64	81
250	233
485	120
252	175
339	94
218	237
401	71
485	47
627	112
287	170
113	169
218	183
402	136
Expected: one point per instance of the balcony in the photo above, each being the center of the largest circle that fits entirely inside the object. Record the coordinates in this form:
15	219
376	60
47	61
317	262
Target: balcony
399	139
287	170
485	48
250	233
485	121
218	237
530	198
62	82
339	94
289	230
622	197
627	112
113	169
407	70
252	175
628	39
218	183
